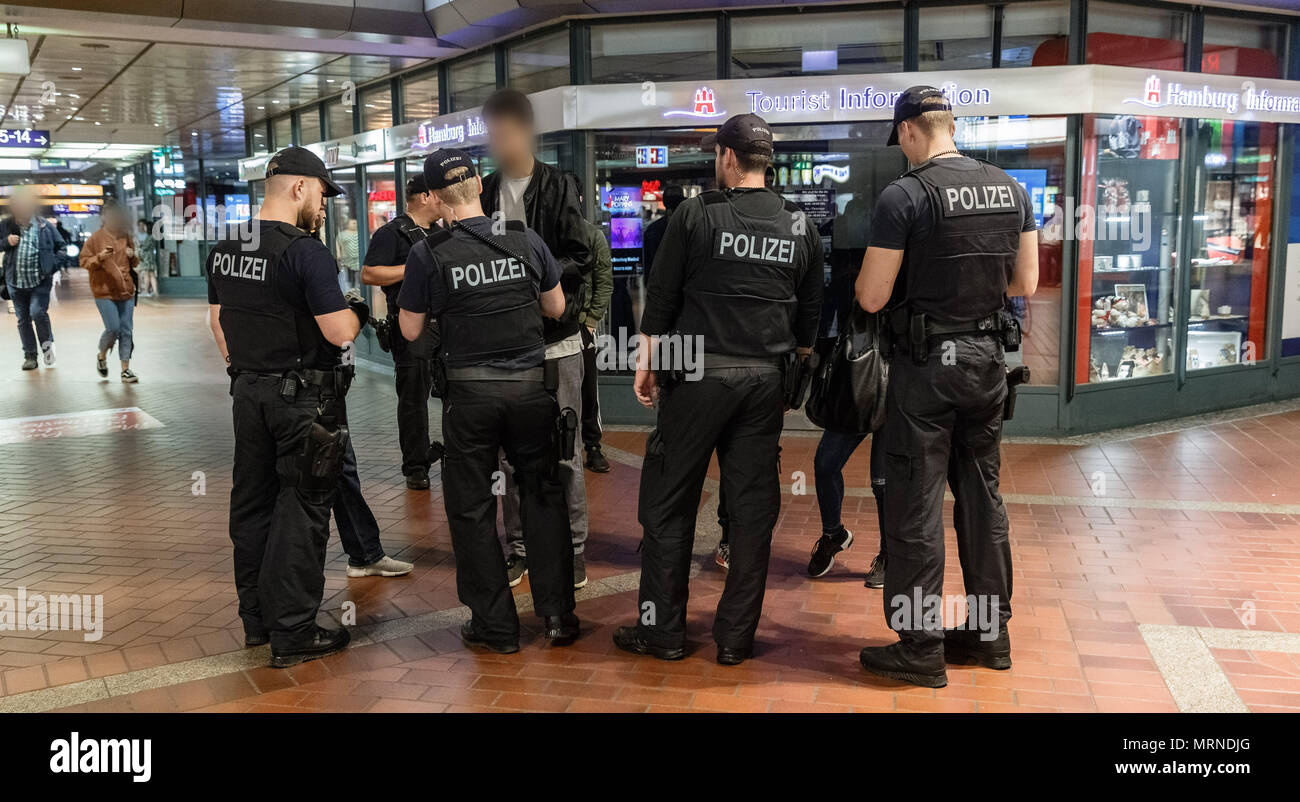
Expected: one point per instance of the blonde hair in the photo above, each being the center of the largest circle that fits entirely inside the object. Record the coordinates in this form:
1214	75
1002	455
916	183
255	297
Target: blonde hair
934	122
460	193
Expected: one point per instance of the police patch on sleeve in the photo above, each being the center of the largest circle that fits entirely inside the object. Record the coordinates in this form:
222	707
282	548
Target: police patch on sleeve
964	199
745	246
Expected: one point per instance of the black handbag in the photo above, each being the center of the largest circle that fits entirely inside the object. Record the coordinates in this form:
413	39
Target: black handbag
848	388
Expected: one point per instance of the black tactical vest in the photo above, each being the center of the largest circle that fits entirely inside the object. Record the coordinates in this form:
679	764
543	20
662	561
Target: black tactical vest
742	296
492	311
960	272
409	229
264	334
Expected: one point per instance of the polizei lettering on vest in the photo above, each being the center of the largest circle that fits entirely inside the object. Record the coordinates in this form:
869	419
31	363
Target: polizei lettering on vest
474	275
973	199
755	248
240	266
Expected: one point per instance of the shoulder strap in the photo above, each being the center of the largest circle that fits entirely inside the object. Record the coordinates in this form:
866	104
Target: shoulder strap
438	237
493	243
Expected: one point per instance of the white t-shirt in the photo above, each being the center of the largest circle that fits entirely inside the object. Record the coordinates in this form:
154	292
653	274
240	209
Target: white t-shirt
510	198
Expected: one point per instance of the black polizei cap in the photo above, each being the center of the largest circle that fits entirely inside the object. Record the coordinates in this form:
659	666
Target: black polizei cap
294	160
909	105
744	133
416	185
439	165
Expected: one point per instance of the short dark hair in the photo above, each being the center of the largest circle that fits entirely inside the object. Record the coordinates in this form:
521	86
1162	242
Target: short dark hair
753	162
509	103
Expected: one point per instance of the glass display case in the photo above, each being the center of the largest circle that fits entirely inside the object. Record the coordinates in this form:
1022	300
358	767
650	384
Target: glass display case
1230	250
344	236
1127	228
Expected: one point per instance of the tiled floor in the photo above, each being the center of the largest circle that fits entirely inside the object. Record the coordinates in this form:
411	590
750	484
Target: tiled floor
1181	576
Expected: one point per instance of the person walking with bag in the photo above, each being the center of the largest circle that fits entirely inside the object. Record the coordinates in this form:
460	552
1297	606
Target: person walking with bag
110	257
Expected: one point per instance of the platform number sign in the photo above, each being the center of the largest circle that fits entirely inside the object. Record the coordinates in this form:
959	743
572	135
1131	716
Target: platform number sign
652	156
23	138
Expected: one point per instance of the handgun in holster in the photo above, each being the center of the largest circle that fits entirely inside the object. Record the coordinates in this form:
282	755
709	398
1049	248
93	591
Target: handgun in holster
566	434
1015	377
321	459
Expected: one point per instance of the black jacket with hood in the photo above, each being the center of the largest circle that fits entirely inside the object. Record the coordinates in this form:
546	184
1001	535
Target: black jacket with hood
553	211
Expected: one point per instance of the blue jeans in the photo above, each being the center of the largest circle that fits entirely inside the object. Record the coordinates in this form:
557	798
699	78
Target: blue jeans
119	324
358	529
32	306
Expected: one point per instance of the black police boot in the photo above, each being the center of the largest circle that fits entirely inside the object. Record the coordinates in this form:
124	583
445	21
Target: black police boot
472	638
596	460
732	656
902	661
326	642
418	479
629	639
254	639
562	629
965	647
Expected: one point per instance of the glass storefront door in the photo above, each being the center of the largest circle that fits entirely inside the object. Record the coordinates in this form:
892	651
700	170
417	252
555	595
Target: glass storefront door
1231	237
381	207
344	238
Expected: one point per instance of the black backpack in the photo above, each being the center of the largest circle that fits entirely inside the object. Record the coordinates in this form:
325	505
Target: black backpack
848	387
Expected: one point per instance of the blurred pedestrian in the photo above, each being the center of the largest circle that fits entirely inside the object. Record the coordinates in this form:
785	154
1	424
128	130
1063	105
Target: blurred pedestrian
30	247
110	257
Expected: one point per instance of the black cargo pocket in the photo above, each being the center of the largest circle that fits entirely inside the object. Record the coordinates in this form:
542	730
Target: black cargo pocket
898	469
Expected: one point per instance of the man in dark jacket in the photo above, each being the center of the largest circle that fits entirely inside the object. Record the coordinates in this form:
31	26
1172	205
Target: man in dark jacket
546	200
30	247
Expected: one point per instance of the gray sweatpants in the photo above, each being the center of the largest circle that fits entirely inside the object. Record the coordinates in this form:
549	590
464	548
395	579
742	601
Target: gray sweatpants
568	394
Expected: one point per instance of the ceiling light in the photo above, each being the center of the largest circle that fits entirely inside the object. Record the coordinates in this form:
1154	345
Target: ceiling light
76	69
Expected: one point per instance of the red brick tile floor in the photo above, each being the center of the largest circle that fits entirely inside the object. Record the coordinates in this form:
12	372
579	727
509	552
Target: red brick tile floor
1194	527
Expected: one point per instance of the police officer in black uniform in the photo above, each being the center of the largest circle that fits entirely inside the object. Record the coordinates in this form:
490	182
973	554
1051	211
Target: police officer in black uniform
384	267
950	240
489	284
280	321
740	271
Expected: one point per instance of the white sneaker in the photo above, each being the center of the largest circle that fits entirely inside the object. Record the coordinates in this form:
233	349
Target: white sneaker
47	353
384	566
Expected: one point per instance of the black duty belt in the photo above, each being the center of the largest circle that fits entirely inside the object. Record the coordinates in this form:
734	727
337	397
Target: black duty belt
325	380
990	325
729	361
490	374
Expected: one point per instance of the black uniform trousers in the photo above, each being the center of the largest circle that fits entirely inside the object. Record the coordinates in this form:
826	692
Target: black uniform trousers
944	421
479	418
279	531
738	412
412	364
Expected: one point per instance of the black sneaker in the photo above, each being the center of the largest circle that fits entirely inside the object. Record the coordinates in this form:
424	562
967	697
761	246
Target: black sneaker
579	571
596	460
418	479
902	662
326	642
876	573
629	640
255	639
823	554
472	638
966	647
516	568
129	377
29	363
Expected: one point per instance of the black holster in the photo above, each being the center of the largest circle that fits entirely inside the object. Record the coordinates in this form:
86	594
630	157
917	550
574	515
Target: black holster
1015	377
320	461
565	436
796	378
